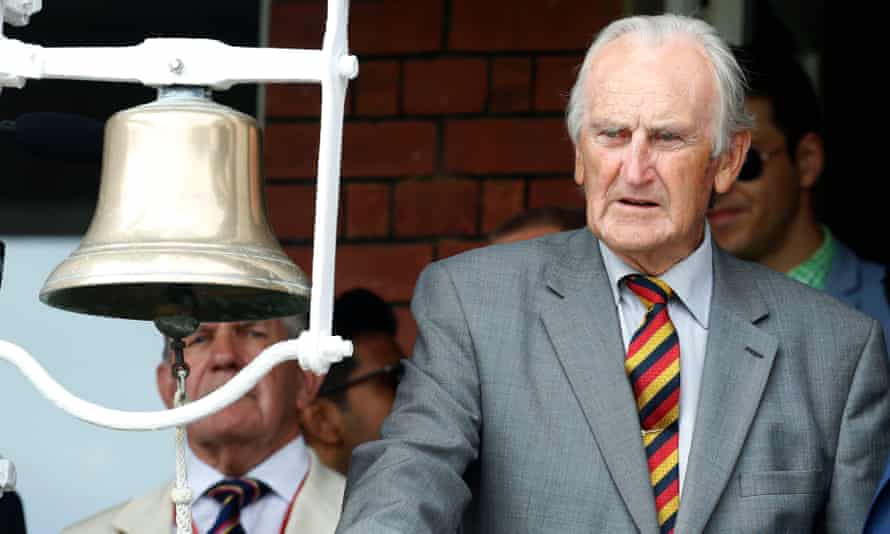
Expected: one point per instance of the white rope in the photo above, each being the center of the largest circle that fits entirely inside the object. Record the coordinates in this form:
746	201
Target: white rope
181	494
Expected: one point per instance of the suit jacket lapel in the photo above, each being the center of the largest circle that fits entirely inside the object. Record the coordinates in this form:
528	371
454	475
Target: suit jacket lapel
582	322
148	514
737	364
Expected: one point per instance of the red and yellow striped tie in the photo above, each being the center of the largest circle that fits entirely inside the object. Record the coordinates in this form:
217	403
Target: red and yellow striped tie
653	367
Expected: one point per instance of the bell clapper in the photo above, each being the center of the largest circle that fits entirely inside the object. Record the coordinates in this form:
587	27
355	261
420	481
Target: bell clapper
177	327
180	369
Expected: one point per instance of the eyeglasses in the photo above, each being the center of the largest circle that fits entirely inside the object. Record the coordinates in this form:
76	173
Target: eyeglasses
391	373
753	166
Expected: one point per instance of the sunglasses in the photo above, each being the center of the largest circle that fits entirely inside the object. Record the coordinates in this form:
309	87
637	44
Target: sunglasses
753	166
391	374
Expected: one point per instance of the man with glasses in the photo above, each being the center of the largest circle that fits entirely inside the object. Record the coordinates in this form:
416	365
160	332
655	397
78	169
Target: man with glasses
768	216
358	392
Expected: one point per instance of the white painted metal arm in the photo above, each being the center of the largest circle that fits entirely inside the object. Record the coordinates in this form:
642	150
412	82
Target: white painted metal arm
304	349
333	99
168	61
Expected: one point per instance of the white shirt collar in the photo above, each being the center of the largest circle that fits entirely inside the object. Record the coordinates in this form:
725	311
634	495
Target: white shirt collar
282	472
691	280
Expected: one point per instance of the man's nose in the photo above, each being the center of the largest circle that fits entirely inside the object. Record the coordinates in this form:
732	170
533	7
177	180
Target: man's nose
225	349
637	164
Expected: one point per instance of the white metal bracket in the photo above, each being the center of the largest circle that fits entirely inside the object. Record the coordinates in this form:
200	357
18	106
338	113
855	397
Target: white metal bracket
18	12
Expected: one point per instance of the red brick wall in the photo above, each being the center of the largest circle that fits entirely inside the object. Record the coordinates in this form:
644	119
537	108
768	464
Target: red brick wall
454	124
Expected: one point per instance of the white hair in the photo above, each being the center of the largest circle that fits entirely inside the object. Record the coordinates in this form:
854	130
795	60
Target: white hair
729	77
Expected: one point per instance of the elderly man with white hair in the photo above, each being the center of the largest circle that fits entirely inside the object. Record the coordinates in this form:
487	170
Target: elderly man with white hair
631	376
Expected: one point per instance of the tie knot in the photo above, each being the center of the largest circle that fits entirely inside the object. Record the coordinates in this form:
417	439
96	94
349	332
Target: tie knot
649	289
239	492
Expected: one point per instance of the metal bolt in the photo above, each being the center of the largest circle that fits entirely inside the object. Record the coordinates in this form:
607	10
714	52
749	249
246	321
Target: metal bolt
176	66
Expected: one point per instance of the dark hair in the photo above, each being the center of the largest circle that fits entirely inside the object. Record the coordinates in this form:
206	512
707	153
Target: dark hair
356	312
360	311
778	77
562	218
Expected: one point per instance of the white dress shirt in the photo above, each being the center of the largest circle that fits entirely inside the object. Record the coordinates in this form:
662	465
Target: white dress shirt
692	281
283	472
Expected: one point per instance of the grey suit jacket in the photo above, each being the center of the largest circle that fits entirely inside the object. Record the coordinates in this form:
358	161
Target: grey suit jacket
515	414
315	510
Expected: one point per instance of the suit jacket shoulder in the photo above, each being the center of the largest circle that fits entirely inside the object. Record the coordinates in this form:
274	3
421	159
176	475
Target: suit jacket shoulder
148	513
818	313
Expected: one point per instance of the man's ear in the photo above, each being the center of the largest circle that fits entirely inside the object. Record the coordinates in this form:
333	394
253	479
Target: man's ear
579	168
731	161
166	384
311	383
322	422
810	159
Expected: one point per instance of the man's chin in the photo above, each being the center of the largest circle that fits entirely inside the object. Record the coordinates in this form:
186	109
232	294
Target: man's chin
635	242
230	424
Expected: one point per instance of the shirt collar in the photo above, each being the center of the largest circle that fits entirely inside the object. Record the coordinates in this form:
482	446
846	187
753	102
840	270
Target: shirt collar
282	472
814	271
692	279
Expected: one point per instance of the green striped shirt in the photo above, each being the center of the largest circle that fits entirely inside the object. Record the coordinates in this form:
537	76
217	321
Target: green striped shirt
814	271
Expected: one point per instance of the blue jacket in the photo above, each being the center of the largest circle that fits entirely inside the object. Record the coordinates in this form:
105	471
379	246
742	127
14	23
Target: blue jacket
878	521
859	283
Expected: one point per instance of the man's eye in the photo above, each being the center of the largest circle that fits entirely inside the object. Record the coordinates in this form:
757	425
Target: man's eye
197	340
667	136
611	135
257	334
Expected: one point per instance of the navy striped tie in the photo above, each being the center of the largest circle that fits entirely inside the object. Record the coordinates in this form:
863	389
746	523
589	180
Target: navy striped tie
234	494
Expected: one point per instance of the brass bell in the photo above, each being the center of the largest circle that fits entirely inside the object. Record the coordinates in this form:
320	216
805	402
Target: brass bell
180	226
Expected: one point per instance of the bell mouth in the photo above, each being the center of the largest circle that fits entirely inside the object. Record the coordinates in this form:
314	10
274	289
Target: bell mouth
205	302
147	281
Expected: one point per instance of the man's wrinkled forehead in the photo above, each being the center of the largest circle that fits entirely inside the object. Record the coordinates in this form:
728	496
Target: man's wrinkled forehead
665	81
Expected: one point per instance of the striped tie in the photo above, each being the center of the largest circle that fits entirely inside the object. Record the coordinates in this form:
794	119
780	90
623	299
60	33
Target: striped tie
653	367
234	494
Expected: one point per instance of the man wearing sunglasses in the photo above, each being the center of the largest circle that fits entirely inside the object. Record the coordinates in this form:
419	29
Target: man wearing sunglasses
768	216
357	393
